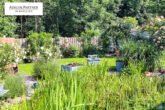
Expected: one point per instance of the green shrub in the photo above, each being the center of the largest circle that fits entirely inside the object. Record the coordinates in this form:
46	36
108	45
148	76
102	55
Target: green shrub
114	34
5	56
89	49
86	44
15	85
40	44
9	54
133	68
142	51
131	21
70	51
43	68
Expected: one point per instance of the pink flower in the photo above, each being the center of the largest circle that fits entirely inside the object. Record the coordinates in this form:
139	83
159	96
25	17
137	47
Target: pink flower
152	24
158	42
159	38
162	17
161	47
154	40
156	33
158	19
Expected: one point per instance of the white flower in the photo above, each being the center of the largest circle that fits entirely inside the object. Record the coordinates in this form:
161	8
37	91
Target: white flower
38	53
24	57
161	47
158	19
163	27
50	54
42	48
162	17
147	37
17	60
4	59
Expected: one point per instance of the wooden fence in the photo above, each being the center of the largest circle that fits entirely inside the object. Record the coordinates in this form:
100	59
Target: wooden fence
71	40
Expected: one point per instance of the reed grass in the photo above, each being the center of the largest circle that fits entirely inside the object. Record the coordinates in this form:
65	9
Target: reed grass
93	88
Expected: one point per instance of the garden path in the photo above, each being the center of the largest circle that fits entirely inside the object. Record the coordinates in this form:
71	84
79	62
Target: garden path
1	86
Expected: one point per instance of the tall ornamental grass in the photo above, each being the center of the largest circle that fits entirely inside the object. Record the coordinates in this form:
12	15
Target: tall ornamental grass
92	88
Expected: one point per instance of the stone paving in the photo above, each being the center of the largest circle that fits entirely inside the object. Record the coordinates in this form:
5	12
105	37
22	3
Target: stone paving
29	81
1	86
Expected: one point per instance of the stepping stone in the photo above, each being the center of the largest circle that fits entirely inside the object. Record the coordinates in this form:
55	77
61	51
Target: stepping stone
29	81
3	92
1	86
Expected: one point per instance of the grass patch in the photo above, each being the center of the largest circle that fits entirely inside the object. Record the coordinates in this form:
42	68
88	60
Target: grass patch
27	69
1	80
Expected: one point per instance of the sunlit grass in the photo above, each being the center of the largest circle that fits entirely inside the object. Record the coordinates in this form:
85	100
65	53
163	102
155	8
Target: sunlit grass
1	80
27	69
92	88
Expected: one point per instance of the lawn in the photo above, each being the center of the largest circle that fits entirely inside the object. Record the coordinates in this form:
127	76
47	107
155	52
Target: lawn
27	69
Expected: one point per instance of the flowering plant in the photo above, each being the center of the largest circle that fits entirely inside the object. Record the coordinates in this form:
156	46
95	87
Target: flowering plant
154	25
10	54
156	28
69	51
40	44
159	38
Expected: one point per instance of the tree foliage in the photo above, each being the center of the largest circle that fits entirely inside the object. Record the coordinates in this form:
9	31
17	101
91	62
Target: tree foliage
70	17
